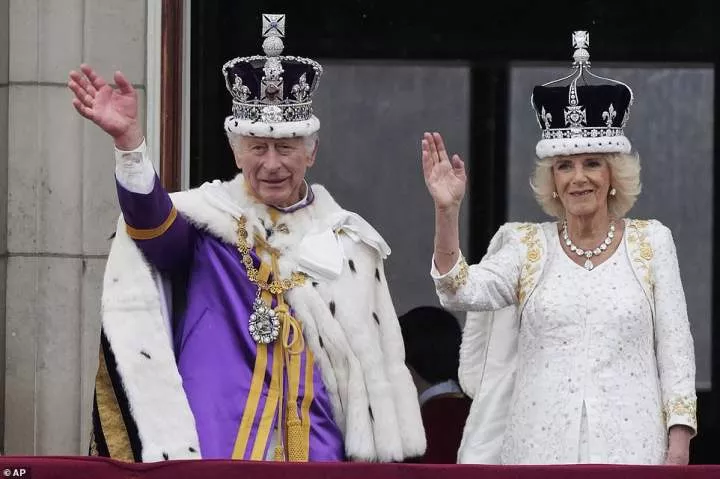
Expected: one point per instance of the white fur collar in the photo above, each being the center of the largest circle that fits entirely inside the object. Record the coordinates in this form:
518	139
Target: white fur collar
306	238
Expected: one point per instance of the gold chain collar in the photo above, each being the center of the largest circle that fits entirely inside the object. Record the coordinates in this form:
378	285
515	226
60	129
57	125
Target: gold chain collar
276	286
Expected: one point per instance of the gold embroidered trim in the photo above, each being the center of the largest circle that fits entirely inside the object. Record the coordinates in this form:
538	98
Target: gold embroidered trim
459	279
112	424
451	283
685	407
642	252
93	449
531	266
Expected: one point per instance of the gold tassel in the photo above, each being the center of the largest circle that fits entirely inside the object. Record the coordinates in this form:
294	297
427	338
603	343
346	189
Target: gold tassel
294	344
279	454
296	447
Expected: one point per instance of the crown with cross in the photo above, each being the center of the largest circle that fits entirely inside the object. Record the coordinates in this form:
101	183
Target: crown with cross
576	116
272	93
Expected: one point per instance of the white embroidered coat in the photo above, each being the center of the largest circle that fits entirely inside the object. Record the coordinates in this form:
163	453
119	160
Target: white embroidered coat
525	411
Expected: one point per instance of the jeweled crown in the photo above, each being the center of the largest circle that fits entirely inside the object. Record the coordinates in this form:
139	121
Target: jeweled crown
271	88
580	117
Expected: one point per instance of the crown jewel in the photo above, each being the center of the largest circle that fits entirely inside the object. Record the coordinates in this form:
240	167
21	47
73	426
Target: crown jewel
272	94
581	117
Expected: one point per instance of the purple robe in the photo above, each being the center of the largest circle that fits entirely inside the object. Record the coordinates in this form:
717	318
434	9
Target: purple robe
215	353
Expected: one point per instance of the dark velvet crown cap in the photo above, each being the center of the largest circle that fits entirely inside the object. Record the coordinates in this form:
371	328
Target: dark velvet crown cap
272	93
580	117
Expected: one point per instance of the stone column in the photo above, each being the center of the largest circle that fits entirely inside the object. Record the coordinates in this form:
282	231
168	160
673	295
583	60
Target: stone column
4	51
61	211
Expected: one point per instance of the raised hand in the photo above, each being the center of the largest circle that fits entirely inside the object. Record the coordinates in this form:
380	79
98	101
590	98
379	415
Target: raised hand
445	178
114	110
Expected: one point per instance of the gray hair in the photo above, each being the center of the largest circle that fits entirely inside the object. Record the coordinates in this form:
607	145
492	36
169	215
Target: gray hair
309	141
624	177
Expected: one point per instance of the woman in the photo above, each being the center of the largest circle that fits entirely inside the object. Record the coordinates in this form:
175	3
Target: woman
605	363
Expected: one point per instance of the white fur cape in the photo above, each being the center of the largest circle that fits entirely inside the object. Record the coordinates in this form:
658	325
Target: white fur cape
346	311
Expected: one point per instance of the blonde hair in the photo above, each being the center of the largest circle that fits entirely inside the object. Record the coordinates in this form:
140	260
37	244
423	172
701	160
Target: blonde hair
624	177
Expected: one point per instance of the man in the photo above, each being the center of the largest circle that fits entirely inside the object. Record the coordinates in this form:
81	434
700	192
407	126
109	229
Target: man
288	346
432	339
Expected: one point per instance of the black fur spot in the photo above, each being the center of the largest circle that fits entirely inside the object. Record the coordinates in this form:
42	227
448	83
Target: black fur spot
145	354
192	449
352	266
322	344
165	455
294	134
235	122
377	274
272	129
252	134
372	418
268	233
332	308
315	284
375	317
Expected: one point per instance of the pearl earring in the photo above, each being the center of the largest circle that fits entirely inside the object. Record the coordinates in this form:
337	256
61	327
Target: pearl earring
555	195
613	192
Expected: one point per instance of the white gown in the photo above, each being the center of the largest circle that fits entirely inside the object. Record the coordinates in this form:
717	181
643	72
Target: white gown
598	379
586	343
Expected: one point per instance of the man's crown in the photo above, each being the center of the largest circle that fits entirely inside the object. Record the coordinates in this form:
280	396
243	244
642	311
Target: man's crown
272	93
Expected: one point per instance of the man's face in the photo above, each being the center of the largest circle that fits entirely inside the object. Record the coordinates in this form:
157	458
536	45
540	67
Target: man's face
275	167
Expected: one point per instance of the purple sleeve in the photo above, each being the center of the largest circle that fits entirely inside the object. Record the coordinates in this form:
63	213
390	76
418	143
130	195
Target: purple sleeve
166	238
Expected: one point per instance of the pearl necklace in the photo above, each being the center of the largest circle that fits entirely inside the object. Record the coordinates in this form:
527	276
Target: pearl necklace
589	253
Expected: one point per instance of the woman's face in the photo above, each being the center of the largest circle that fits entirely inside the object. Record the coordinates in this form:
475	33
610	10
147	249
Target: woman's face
582	183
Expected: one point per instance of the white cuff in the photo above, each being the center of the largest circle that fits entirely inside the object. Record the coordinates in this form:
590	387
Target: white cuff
453	271
450	282
134	171
682	411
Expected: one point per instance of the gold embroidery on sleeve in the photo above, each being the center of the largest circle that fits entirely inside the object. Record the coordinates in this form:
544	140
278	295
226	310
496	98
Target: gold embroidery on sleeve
533	254
685	407
641	250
